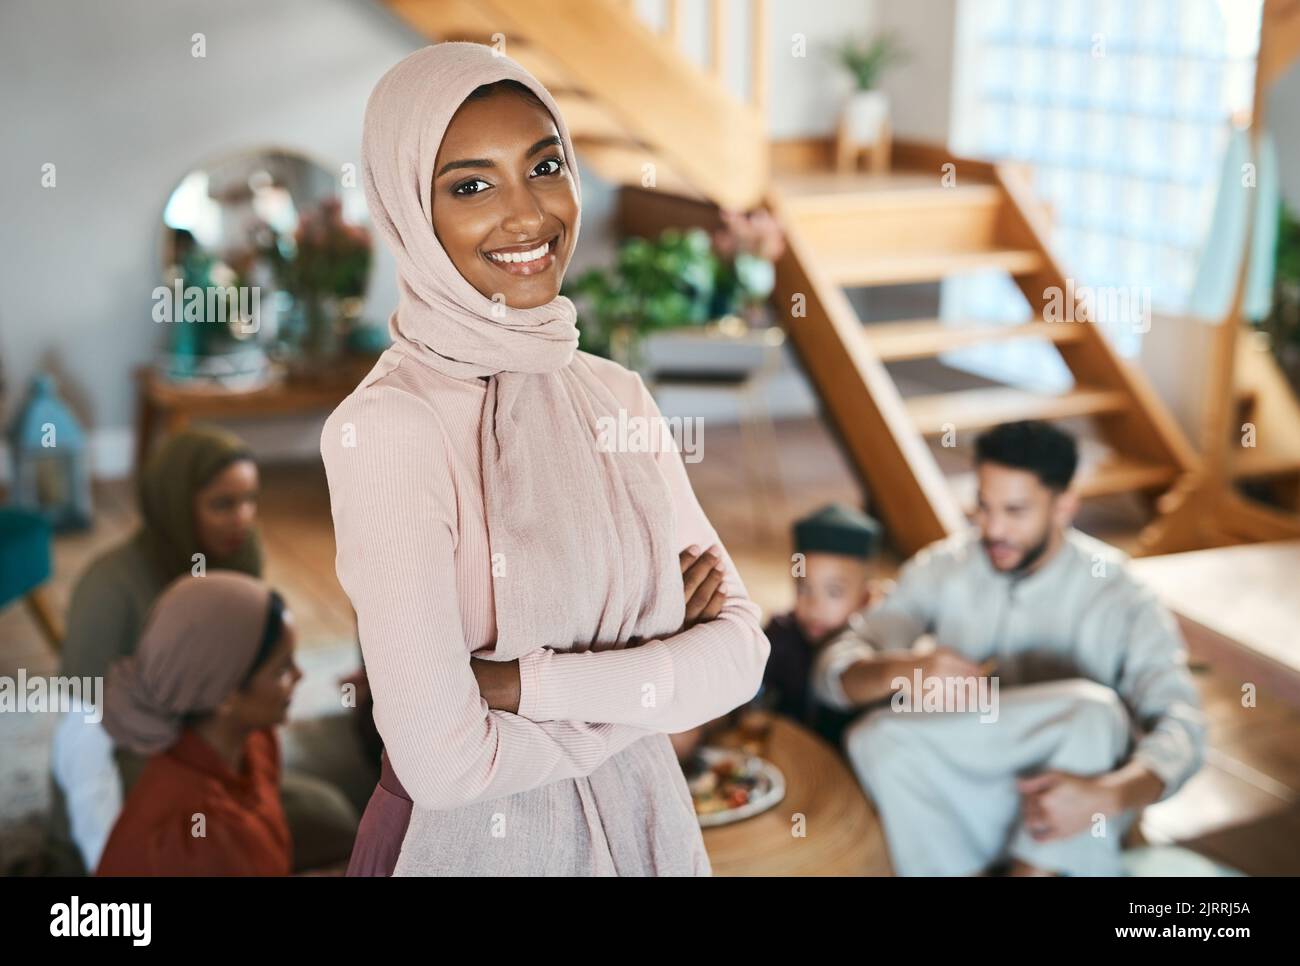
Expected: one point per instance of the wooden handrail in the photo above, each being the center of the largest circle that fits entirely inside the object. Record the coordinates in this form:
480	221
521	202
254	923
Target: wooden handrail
719	23
673	22
758	58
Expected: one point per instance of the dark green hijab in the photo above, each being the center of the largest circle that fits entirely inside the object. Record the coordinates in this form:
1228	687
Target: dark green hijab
175	472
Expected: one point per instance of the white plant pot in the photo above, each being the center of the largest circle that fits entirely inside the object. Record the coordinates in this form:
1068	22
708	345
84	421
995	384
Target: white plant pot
865	113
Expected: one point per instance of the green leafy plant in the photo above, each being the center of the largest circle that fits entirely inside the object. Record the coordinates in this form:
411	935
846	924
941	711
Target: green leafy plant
683	277
866	60
652	285
1288	246
325	256
1283	321
323	264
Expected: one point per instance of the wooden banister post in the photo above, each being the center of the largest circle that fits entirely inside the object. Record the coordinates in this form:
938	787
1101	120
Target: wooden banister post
758	68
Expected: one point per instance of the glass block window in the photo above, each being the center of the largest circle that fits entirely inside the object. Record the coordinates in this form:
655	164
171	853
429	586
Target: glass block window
1122	110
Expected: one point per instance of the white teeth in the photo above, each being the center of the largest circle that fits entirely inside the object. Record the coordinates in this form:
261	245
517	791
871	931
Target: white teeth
530	256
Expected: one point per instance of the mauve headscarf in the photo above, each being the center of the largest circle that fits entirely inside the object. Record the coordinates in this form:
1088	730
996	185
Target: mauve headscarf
198	644
583	536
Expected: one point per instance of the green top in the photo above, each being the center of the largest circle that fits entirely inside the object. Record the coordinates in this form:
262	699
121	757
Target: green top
109	605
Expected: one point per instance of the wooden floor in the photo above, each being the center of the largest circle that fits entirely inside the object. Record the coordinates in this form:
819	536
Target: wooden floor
1243	809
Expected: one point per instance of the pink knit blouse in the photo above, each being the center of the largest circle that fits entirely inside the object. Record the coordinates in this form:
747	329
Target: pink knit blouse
402	458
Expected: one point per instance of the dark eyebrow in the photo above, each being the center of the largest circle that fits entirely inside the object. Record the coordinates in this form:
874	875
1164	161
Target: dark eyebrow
548	141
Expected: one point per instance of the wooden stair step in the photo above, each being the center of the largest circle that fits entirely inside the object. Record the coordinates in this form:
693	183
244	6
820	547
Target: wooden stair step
889	229
1124	474
856	269
926	338
1116	474
934	414
1259	463
827	193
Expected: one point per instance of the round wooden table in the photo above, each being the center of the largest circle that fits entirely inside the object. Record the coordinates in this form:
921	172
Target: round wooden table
841	834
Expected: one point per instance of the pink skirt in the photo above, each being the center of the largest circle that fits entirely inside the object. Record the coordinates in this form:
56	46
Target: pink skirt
632	816
383	826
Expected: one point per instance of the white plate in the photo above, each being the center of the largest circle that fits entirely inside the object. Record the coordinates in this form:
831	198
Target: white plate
767	793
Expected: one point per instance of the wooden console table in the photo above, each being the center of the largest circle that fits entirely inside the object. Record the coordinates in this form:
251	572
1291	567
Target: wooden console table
171	406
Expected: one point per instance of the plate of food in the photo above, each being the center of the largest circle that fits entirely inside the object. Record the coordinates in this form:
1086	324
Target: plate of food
729	785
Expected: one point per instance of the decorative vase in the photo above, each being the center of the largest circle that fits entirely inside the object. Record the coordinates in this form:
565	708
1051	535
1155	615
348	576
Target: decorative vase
316	333
321	338
865	115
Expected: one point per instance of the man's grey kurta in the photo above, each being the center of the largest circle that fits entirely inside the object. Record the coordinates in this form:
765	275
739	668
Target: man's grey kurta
944	782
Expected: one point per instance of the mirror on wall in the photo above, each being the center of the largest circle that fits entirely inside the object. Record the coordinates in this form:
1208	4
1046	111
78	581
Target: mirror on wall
265	264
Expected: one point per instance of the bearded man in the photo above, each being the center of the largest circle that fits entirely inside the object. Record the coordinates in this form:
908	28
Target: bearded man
1096	711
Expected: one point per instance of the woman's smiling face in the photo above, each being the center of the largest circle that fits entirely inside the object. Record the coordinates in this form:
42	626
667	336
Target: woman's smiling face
504	200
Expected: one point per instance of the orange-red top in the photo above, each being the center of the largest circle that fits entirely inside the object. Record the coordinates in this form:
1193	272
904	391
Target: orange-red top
190	814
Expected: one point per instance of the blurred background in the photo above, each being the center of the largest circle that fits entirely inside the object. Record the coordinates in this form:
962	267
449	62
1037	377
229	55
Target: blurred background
843	235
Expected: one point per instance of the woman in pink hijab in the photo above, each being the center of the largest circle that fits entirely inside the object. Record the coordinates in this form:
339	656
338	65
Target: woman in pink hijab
533	604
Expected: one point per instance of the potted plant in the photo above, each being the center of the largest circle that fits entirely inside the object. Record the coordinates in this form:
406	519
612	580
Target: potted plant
652	285
683	277
747	247
864	118
323	266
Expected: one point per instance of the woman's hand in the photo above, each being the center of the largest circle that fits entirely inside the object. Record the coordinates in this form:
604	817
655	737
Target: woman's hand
701	582
498	682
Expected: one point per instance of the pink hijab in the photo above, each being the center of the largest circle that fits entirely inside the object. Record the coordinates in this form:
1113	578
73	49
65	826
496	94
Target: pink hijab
584	537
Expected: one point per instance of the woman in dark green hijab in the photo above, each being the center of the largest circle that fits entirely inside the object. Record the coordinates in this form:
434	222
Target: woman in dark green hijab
198	501
198	508
198	496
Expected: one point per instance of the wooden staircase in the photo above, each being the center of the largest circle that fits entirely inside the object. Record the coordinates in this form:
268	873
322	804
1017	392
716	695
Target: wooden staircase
639	110
910	228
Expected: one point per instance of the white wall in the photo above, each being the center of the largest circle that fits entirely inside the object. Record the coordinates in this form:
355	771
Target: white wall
110	94
921	89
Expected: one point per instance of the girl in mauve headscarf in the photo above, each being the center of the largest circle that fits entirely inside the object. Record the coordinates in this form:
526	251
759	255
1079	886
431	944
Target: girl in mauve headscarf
197	495
200	697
